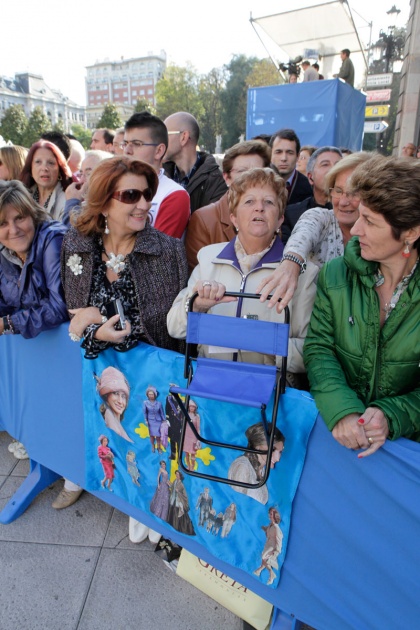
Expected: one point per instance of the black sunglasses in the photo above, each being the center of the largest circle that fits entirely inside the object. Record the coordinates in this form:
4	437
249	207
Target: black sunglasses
132	195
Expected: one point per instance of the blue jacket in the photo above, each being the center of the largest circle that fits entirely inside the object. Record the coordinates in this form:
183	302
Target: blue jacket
33	295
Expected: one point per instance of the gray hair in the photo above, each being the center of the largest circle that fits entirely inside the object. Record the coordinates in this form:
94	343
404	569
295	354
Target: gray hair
317	153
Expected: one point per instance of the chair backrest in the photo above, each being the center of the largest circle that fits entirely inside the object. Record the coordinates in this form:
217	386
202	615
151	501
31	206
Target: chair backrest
238	333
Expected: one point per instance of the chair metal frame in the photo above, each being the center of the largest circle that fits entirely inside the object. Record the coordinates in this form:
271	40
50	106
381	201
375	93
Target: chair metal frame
279	388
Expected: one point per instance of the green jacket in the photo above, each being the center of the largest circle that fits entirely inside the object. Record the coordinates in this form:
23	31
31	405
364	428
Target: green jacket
351	362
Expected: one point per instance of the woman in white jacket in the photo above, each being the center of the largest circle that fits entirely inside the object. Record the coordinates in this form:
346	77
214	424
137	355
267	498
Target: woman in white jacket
257	200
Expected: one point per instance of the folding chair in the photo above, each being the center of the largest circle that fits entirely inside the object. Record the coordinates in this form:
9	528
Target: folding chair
242	383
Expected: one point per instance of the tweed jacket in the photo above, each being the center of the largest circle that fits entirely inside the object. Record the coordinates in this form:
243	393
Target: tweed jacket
207	226
158	266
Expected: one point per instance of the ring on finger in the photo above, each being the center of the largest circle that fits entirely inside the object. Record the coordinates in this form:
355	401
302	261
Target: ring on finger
370	440
206	284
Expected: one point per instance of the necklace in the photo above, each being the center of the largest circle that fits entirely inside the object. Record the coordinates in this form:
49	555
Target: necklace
116	262
36	197
388	306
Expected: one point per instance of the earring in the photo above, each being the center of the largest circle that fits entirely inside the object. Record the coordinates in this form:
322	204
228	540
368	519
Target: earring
106	230
406	251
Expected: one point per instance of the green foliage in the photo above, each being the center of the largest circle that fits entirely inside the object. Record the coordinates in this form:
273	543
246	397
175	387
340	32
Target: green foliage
218	99
178	91
59	126
234	98
110	118
13	124
211	87
83	135
38	123
264	73
143	105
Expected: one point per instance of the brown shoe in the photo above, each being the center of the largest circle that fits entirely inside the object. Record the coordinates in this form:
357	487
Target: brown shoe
66	498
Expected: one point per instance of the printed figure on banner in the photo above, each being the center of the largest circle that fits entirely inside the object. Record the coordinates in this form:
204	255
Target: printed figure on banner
114	390
106	457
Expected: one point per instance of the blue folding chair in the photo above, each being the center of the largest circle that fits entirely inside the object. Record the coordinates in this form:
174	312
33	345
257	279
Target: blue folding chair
236	382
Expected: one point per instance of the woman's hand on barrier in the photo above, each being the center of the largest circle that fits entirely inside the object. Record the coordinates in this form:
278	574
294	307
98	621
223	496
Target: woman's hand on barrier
376	429
210	293
349	433
82	317
281	283
107	332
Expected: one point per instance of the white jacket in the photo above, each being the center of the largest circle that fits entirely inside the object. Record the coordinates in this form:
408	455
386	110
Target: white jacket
218	262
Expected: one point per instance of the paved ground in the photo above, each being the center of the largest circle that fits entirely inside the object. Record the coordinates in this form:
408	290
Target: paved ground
76	569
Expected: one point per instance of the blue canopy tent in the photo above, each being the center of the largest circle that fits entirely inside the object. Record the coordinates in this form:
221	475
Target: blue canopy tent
320	112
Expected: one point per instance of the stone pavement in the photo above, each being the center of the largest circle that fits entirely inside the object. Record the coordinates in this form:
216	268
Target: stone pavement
75	569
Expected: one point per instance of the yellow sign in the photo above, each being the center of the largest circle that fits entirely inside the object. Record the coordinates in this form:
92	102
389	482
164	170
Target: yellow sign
373	111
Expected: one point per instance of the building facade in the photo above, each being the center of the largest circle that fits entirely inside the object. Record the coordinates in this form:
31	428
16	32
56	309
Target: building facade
407	125
30	91
122	82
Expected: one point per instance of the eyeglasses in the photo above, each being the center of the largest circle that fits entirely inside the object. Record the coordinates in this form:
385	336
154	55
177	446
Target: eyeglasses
132	195
172	133
338	193
137	144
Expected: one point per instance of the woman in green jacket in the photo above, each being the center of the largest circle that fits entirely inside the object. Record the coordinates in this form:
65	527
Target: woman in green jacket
362	351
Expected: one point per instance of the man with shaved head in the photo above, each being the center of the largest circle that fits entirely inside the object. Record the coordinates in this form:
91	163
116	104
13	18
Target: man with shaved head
196	171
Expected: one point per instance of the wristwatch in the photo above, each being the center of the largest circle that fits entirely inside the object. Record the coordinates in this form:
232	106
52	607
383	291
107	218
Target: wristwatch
295	259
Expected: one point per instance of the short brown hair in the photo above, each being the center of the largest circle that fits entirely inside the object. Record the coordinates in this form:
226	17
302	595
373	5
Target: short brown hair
257	177
249	147
14	193
390	186
103	183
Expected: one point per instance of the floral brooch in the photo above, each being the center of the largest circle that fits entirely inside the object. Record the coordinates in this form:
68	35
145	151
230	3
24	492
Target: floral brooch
74	262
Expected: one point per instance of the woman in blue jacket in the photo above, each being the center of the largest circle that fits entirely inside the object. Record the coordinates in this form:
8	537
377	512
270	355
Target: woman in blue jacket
31	295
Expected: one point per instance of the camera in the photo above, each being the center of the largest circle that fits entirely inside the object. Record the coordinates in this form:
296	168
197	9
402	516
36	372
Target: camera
114	307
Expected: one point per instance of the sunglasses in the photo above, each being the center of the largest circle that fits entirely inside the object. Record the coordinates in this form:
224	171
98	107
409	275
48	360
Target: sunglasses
132	195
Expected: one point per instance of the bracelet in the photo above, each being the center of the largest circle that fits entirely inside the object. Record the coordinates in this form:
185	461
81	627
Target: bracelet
295	259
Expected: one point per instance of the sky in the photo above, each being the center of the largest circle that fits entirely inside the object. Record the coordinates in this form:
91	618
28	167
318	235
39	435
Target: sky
58	41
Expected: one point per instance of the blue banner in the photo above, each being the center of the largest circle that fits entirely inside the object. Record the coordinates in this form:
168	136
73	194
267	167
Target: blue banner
132	428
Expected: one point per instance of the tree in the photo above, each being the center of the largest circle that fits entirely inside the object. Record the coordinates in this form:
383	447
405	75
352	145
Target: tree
110	118
264	73
210	90
234	98
177	91
38	123
143	105
59	126
83	135
13	124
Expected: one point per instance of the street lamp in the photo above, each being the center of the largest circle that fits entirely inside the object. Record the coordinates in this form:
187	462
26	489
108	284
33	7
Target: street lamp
389	46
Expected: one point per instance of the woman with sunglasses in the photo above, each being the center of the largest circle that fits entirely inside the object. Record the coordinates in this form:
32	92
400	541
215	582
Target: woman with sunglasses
113	253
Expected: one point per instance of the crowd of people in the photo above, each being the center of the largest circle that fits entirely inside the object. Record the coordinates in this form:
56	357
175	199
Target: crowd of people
144	219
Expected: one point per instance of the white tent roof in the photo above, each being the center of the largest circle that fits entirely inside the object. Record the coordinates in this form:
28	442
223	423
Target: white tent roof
322	30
